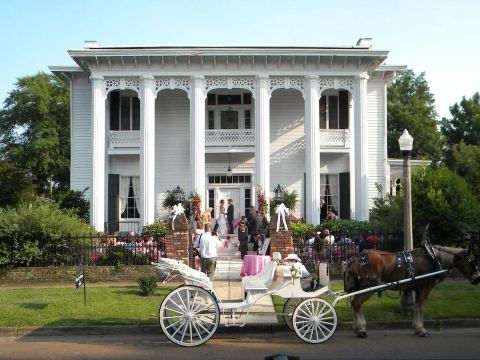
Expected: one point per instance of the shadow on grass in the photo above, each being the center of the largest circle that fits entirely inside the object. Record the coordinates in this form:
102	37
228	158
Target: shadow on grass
33	306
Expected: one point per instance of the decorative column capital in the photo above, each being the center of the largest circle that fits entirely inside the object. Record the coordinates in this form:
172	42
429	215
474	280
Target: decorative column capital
312	77
96	77
148	77
363	76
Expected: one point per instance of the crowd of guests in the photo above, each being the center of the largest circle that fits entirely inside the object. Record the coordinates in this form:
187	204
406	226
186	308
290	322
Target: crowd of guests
136	244
324	244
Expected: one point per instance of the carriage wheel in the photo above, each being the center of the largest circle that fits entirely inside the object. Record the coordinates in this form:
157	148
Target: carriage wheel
288	310
314	320
189	316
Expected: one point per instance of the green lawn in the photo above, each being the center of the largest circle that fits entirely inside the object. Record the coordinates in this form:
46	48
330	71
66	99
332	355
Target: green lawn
448	300
65	307
125	306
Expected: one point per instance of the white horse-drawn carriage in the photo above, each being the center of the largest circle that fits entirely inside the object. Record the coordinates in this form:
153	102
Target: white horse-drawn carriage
190	314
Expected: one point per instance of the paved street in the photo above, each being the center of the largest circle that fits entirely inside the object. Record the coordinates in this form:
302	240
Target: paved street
381	344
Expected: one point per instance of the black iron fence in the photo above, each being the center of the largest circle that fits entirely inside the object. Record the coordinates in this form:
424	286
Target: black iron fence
92	250
342	248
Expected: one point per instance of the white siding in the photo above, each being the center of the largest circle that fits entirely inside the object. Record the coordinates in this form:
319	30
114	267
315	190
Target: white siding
172	145
334	163
81	135
240	163
287	143
125	165
376	137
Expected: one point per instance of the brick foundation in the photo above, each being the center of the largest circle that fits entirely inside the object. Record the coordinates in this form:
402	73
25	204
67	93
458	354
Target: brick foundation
54	274
280	240
177	242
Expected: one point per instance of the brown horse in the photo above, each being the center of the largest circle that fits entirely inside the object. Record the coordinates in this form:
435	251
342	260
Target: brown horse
374	267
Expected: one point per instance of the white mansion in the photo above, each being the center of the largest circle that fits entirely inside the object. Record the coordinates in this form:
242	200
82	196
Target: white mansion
146	119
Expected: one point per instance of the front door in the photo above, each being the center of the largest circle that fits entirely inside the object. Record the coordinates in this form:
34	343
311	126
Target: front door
226	193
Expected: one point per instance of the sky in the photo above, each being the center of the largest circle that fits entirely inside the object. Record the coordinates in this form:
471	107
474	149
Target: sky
438	37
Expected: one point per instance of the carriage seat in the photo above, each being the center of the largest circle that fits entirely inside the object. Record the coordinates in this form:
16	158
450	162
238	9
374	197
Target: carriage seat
263	279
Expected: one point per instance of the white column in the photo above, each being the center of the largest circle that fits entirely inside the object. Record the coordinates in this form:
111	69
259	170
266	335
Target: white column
351	158
361	148
312	149
197	136
147	151
262	134
97	202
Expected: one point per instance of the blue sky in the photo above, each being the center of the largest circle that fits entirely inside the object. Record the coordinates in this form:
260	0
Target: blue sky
441	38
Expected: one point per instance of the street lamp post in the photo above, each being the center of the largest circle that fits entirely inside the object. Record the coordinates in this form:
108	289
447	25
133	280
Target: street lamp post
406	143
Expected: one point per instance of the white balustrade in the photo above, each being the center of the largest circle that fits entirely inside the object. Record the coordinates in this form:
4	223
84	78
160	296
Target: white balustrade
236	137
124	139
334	138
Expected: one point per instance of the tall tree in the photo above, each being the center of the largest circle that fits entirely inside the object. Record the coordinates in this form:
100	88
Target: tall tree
35	130
465	161
465	122
411	105
440	198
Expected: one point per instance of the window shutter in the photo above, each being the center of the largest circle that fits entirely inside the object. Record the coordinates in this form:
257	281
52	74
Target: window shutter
344	179
113	190
343	109
114	103
136	114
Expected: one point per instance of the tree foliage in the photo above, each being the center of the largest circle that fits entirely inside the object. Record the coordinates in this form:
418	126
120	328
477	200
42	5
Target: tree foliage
465	161
441	199
462	134
35	130
16	184
411	105
75	201
465	122
36	231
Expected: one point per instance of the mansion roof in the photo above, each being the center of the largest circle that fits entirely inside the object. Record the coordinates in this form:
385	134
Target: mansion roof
94	58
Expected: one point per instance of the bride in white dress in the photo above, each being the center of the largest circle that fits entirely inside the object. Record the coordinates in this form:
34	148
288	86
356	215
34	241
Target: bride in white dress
221	220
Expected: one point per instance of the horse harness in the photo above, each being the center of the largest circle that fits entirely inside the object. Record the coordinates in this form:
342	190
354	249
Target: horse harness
406	258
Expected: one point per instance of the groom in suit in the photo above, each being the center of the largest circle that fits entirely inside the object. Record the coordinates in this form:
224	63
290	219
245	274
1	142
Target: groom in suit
230	211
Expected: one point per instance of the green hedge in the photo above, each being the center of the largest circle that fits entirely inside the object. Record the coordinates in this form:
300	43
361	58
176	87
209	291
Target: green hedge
34	232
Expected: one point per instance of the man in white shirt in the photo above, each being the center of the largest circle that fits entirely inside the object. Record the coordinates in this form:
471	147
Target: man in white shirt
207	245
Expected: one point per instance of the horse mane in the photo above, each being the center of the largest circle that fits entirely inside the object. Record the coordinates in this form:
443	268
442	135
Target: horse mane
446	254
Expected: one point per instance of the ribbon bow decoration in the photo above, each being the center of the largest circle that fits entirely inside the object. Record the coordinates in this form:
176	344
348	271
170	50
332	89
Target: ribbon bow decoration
282	211
177	210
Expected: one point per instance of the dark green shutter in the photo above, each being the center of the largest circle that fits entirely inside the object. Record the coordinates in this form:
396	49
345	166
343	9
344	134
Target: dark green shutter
344	195
343	108
113	193
114	103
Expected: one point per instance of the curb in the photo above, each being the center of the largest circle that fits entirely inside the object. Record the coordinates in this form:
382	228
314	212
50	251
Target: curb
254	328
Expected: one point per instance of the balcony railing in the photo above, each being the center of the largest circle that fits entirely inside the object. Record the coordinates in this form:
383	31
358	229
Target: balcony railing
334	138
125	139
118	140
237	137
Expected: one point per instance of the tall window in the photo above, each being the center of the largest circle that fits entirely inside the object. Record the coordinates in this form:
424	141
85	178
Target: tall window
129	197
334	110
124	112
329	191
229	111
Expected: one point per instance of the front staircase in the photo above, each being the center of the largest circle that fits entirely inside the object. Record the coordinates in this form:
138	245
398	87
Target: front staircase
229	263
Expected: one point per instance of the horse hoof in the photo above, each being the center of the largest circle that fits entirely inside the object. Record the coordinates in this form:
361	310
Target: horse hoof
425	334
362	335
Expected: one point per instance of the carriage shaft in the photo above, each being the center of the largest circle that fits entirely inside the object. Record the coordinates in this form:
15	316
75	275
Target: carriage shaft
386	285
